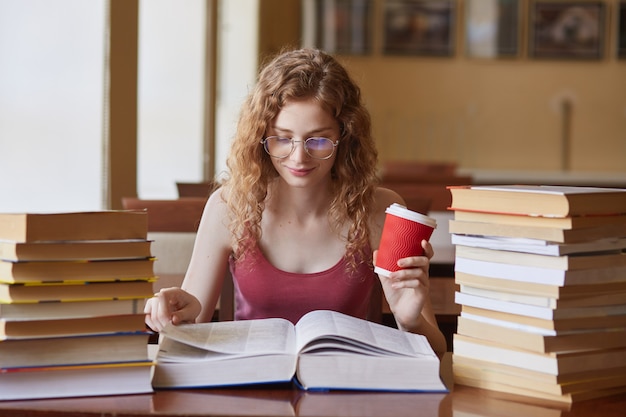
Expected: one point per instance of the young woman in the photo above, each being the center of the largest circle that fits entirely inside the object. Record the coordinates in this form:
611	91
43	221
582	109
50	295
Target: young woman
300	216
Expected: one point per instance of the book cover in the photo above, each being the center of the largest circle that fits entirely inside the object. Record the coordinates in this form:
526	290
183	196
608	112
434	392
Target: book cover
488	376
570	222
540	312
75	291
75	250
567	394
540	275
554	363
538	376
97	225
74	350
67	271
592	260
538	246
539	200
541	233
70	309
539	289
613	298
536	340
76	381
29	329
558	324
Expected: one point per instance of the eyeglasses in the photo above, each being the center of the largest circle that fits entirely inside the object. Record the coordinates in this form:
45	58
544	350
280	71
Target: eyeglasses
318	148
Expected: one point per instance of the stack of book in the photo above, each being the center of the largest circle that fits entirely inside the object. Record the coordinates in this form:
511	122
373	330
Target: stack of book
541	272
72	290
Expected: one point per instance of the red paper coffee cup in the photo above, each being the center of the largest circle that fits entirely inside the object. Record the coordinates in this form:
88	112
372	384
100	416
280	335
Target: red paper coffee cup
402	237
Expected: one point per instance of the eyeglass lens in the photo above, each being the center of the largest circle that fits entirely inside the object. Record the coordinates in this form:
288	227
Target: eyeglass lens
316	147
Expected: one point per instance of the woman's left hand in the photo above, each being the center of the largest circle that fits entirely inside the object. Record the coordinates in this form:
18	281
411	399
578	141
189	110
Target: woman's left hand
407	290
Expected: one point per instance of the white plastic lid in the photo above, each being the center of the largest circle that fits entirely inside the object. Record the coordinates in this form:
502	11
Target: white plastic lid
401	211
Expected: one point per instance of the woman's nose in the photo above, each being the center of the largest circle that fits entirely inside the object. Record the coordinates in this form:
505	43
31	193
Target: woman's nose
299	151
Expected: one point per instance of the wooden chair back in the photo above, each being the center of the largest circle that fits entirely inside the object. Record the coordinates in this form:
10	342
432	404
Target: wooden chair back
419	181
195	189
180	215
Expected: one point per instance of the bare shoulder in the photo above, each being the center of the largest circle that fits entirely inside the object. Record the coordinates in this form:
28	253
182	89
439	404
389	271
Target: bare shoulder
216	200
383	198
215	218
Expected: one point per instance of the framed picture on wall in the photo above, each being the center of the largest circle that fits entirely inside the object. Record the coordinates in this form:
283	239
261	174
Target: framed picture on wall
621	30
567	29
492	28
419	27
338	26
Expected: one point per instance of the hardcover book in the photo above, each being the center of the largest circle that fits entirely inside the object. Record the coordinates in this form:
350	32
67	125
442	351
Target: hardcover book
75	250
96	225
570	222
76	381
539	200
324	350
551	234
67	271
539	340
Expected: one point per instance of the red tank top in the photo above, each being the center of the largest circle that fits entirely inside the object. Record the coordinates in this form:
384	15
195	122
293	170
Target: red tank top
263	291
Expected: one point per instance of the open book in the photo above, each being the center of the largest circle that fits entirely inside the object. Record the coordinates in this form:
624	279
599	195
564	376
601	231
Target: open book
325	350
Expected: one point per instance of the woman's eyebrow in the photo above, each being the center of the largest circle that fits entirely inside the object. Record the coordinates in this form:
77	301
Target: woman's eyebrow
308	134
280	129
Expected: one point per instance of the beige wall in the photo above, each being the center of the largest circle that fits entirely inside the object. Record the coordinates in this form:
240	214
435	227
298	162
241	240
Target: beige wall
496	114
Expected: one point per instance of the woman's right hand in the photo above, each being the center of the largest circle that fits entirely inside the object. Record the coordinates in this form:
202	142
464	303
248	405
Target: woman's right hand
171	305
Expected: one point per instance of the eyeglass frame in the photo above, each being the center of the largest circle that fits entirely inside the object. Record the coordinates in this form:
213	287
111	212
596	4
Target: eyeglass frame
293	146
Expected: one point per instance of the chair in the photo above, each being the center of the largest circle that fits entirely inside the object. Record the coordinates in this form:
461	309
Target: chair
413	199
195	189
415	180
180	215
172	226
402	170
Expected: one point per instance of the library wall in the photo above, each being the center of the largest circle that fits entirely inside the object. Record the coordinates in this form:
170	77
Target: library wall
499	114
496	114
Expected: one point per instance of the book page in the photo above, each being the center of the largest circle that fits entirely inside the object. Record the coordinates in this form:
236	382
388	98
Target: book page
236	337
173	351
324	329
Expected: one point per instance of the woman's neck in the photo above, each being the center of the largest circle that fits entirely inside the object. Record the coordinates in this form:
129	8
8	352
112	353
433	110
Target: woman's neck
299	203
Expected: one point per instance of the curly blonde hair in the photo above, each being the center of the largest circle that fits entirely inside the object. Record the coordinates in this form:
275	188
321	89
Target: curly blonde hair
296	75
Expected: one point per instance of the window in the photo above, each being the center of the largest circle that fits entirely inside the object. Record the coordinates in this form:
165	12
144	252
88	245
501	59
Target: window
170	95
51	104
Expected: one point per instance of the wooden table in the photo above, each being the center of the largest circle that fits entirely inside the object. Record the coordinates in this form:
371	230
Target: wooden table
288	401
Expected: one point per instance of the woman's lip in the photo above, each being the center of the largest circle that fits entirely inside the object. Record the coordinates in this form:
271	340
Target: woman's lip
299	172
